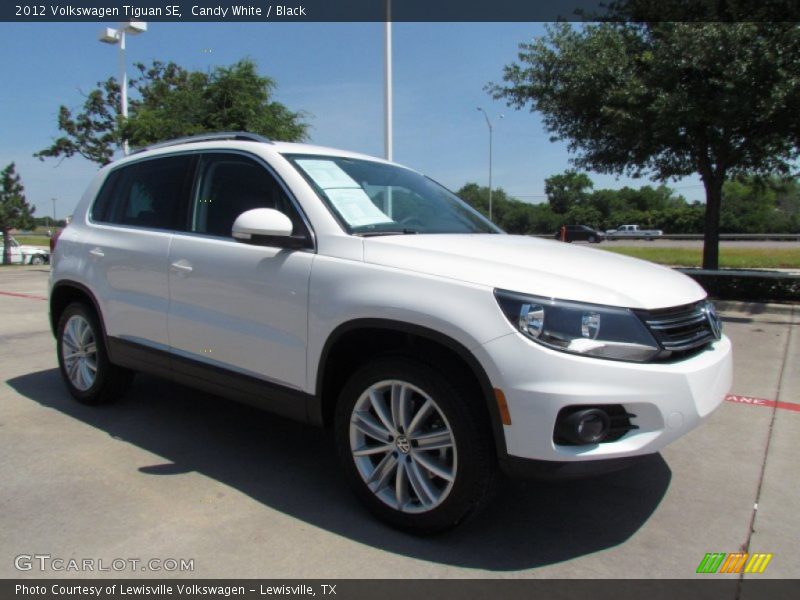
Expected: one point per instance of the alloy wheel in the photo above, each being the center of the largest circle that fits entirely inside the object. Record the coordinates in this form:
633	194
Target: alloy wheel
403	446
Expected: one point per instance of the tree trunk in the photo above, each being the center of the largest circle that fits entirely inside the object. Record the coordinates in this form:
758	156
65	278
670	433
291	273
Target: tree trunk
713	186
6	247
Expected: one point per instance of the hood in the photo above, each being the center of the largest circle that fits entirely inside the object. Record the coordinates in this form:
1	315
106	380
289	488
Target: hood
536	266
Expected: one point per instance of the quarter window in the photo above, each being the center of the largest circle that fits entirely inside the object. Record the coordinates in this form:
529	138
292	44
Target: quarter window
144	194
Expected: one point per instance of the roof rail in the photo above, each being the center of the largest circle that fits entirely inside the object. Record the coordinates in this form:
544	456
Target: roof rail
207	137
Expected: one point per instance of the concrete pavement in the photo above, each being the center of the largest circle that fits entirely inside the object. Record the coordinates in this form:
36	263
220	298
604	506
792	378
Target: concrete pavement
172	473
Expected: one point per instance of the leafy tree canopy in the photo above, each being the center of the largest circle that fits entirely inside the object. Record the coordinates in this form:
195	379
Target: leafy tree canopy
171	102
667	98
566	190
15	212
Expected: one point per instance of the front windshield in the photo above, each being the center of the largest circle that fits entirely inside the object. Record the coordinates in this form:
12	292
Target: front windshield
371	198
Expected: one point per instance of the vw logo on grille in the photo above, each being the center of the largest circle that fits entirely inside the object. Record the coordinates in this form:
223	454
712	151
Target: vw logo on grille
713	320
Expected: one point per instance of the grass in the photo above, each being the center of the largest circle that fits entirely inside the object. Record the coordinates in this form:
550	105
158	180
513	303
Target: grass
729	258
32	240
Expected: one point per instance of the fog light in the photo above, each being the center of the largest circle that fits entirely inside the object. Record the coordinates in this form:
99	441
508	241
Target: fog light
588	426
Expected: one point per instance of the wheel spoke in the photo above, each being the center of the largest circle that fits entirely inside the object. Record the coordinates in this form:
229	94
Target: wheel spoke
379	406
434	440
420	484
73	370
368	425
424	411
370	450
86	375
90	348
85	332
383	470
401	485
71	335
73	354
401	406
69	343
430	464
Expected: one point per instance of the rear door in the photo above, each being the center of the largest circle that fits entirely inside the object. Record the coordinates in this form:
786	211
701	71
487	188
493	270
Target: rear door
127	246
240	307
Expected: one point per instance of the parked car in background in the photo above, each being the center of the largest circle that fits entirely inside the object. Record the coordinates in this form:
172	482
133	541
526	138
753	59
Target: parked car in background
633	232
356	294
27	255
580	233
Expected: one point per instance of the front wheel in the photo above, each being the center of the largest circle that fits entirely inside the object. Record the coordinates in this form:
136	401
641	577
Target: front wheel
414	446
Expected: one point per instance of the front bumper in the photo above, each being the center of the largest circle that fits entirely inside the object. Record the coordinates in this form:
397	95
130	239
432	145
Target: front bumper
668	399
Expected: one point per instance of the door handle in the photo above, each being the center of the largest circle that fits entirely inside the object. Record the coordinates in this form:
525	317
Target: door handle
182	266
97	252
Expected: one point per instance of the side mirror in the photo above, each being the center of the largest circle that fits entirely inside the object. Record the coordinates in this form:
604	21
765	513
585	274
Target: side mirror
267	227
265	222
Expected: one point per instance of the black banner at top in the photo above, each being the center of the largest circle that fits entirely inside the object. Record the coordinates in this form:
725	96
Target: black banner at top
398	10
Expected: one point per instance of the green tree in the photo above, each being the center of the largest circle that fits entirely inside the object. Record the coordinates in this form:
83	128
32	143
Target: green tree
170	101
667	98
15	212
566	190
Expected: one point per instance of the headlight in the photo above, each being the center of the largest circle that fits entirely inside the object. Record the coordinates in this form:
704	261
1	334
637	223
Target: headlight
586	329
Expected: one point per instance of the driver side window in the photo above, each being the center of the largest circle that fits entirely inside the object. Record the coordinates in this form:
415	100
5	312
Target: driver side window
230	184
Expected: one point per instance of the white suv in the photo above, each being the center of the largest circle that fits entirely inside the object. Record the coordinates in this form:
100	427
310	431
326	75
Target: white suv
356	294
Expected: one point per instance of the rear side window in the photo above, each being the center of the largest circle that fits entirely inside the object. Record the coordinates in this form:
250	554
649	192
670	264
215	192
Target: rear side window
145	194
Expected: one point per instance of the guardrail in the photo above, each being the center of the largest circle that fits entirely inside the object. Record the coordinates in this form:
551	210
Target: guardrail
729	237
755	237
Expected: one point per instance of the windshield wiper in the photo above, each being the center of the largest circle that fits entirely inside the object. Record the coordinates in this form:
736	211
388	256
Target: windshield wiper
386	232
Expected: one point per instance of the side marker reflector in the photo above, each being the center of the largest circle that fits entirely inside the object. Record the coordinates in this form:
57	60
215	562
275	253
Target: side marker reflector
502	406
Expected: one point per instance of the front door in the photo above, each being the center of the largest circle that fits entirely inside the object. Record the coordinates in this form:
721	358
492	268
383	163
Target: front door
233	305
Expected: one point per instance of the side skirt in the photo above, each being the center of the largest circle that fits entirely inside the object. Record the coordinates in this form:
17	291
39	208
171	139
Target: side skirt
216	380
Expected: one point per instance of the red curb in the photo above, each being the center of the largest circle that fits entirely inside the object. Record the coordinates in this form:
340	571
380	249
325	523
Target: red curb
18	295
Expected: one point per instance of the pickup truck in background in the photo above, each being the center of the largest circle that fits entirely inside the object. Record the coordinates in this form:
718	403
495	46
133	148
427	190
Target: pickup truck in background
633	232
26	255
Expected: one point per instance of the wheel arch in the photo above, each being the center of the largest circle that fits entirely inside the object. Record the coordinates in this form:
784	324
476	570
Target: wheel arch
343	352
65	293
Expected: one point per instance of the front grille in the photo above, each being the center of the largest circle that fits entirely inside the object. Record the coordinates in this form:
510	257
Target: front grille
680	330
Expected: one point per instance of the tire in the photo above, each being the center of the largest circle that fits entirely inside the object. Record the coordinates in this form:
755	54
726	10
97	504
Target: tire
421	491
37	260
592	239
83	358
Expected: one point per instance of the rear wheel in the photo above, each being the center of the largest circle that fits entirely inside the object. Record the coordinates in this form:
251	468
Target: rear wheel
592	239
83	358
413	446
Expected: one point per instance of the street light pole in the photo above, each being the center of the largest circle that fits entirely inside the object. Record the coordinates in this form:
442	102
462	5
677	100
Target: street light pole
489	124
112	36
55	221
387	92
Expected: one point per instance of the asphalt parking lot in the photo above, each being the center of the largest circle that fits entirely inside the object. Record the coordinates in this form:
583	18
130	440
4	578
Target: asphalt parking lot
172	473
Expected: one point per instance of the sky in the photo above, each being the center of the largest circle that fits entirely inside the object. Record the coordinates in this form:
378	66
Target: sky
332	71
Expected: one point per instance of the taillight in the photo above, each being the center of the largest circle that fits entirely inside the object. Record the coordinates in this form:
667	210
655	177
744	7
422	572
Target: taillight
54	239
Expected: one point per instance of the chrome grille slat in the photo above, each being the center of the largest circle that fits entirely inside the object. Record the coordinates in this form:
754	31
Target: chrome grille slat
680	329
679	322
